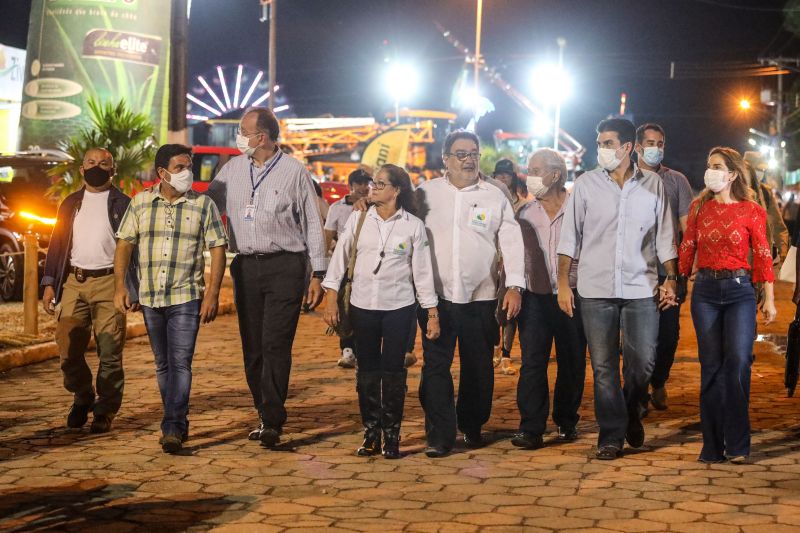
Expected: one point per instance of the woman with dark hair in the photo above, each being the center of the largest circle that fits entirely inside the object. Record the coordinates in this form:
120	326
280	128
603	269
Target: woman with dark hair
393	261
725	227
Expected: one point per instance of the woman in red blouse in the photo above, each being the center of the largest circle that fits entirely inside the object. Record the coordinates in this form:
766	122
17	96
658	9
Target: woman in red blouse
726	228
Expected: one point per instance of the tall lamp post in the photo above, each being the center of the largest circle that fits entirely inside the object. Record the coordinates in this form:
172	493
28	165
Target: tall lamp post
557	120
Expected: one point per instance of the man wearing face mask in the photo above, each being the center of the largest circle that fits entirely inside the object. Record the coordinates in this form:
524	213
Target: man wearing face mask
618	221
540	321
171	224
650	139
78	286
275	229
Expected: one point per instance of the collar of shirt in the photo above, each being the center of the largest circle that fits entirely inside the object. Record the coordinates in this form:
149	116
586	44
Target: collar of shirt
637	172
400	213
156	190
266	161
479	184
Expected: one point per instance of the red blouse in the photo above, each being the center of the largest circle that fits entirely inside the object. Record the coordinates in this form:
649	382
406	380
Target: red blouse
722	236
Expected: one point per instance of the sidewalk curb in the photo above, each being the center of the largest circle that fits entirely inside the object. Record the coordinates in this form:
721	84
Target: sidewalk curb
37	353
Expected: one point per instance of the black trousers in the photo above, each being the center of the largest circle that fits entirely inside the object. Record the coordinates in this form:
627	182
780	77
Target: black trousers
474	328
381	337
669	331
540	322
268	291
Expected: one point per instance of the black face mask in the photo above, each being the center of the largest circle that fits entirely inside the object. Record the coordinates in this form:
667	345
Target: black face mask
96	176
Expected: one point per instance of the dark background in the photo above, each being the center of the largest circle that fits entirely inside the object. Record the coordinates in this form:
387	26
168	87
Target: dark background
330	56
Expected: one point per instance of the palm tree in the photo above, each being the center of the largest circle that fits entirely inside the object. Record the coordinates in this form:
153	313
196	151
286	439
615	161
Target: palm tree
129	136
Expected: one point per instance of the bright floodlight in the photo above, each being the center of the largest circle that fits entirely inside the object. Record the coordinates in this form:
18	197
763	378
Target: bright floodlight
744	104
751	141
401	81
772	164
542	127
551	84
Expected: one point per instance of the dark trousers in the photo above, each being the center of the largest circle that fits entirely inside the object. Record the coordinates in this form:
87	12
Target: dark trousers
540	322
268	291
474	328
381	337
669	332
603	318
347	342
724	316
173	333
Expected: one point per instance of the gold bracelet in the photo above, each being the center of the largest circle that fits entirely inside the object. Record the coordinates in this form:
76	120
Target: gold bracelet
433	316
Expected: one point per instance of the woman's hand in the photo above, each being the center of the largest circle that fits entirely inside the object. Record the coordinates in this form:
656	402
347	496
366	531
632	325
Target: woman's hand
768	308
434	329
331	312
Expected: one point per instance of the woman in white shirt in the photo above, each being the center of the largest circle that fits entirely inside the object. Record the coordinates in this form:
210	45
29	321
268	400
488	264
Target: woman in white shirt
392	260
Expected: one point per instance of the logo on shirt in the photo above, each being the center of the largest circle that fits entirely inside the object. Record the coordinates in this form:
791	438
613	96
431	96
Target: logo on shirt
400	249
479	218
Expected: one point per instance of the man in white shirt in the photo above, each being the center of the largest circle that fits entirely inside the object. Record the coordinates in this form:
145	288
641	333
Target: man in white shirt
78	286
338	214
466	220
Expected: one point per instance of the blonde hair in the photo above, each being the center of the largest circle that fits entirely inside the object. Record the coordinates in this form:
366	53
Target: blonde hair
740	188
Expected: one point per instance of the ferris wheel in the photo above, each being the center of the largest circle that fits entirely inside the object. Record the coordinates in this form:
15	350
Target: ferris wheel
223	92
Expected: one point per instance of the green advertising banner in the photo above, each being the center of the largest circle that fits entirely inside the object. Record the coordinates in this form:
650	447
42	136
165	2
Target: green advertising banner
107	50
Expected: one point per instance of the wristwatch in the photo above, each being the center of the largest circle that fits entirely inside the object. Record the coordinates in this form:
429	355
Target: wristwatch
515	288
318	274
672	277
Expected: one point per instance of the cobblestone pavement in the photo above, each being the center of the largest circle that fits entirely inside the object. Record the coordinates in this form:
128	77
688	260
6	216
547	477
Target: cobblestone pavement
54	478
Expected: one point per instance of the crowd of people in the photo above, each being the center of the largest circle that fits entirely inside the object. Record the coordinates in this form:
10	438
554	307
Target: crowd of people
471	259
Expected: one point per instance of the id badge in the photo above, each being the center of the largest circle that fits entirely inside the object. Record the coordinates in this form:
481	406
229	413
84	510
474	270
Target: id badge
249	212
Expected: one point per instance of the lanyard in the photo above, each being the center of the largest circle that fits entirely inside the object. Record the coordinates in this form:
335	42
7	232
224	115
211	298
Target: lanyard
263	175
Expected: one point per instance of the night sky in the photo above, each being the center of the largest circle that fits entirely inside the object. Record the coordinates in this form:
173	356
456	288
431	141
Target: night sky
330	55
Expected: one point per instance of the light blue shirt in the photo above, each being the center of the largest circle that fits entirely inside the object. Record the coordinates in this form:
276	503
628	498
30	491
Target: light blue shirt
620	234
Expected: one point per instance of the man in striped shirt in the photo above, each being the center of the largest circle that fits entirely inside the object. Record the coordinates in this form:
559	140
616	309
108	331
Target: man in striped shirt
275	229
171	225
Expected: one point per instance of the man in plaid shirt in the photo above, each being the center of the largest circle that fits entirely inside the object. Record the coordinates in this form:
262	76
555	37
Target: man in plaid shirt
171	225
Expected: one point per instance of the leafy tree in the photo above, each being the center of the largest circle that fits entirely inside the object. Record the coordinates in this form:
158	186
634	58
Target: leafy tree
129	136
491	155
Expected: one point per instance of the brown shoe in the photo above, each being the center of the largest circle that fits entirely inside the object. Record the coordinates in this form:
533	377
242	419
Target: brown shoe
659	398
101	424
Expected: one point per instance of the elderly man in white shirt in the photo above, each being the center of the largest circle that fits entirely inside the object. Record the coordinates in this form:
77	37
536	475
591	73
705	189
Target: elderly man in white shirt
466	220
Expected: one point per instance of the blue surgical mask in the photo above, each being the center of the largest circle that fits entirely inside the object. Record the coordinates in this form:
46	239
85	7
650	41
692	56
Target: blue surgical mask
652	155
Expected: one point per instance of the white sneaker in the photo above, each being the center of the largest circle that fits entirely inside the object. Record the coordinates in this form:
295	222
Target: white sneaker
348	359
506	367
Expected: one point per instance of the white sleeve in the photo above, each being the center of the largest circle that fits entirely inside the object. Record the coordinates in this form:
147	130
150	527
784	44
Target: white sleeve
337	268
422	267
509	237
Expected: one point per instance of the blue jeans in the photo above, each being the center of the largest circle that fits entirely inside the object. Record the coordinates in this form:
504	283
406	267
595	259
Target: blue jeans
173	332
603	318
724	316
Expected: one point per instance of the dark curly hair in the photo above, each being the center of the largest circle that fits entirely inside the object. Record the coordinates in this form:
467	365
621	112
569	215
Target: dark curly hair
400	180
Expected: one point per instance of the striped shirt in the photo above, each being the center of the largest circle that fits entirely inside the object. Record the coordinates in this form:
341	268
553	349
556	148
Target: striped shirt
171	238
284	215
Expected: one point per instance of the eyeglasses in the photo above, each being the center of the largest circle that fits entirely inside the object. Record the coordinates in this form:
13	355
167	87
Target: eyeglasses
462	156
378	185
243	134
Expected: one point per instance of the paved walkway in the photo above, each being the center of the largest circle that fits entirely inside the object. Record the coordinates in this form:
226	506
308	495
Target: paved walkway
54	478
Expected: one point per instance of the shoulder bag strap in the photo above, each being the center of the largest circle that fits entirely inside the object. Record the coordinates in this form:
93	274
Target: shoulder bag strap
351	263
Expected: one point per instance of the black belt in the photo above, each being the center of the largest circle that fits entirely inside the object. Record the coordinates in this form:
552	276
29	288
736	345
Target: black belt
272	255
82	273
723	274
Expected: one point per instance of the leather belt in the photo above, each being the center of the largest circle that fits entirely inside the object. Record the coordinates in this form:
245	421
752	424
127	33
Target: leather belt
262	257
723	274
82	273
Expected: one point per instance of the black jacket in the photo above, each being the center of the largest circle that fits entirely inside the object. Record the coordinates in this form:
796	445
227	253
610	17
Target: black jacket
56	266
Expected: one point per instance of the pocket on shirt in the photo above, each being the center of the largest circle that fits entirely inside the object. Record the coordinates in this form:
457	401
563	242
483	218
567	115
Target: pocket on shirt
399	246
275	201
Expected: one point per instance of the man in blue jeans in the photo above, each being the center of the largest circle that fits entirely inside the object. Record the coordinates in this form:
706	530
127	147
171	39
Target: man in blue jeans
171	224
618	222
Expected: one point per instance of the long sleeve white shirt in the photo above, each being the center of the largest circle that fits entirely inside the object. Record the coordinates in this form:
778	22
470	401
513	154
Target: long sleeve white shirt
465	228
406	262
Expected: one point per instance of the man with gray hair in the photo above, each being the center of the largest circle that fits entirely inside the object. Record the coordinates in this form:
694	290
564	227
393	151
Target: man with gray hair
541	321
275	227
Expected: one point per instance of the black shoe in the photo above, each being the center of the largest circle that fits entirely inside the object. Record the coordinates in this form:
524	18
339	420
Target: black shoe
635	433
256	433
473	440
393	396
78	415
607	453
528	441
170	443
101	424
567	434
269	437
184	436
372	443
435	452
368	387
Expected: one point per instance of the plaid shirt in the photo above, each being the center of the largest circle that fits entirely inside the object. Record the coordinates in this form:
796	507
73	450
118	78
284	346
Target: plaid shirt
171	238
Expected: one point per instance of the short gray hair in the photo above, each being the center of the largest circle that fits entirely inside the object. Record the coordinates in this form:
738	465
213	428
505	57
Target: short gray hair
554	161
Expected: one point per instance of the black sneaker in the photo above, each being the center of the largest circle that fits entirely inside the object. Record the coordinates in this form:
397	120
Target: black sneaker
473	440
269	437
434	452
607	453
567	434
78	415
635	433
528	441
101	424
256	433
171	443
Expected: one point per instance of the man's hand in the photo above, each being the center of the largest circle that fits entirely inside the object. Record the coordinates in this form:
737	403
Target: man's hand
122	301
434	329
666	295
362	204
315	293
209	307
512	303
48	300
135	306
331	313
566	300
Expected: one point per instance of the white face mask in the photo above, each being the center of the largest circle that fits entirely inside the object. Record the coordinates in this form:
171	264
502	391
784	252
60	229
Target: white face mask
716	180
536	186
182	181
652	155
607	158
243	144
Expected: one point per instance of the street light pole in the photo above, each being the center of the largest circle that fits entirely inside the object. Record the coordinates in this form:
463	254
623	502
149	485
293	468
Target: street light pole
272	52
557	120
478	43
